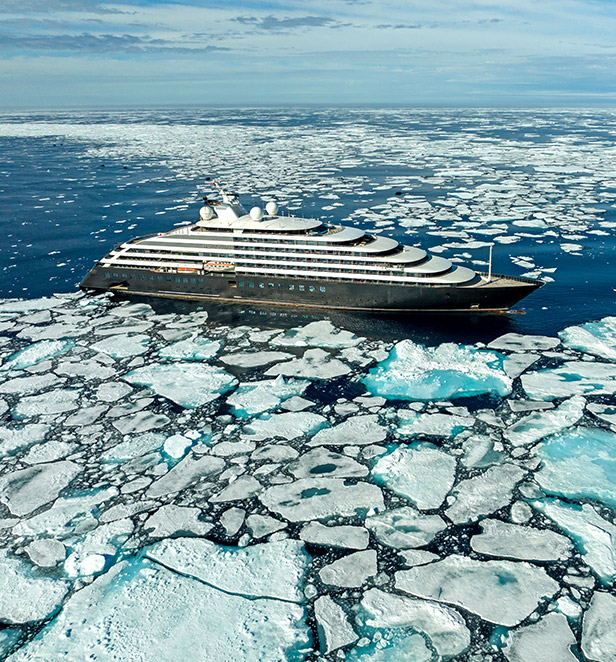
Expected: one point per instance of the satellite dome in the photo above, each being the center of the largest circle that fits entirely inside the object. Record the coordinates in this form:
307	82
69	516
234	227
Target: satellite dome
206	213
271	208
256	213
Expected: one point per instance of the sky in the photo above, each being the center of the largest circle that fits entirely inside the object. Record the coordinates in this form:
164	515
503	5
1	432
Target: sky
95	53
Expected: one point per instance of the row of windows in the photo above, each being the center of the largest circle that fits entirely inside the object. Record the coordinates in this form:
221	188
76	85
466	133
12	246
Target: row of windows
348	265
194	281
281	286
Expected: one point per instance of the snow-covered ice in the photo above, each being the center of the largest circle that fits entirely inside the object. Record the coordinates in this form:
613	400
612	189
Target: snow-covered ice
256	397
443	625
415	372
420	472
504	592
523	543
548	640
190	385
484	493
25	594
593	536
579	463
404	528
598	635
597	338
321	498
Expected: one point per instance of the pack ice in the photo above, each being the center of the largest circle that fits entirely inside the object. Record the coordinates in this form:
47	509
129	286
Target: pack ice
278	500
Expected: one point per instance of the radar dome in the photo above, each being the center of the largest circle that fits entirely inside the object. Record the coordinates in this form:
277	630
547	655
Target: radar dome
256	213
271	208
206	213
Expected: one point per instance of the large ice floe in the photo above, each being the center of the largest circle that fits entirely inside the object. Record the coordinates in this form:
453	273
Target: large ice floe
162	500
414	372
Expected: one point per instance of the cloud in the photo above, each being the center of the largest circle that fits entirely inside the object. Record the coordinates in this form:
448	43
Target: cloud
106	43
273	24
53	6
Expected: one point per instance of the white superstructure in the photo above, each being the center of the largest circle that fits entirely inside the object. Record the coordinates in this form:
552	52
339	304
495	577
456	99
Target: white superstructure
228	238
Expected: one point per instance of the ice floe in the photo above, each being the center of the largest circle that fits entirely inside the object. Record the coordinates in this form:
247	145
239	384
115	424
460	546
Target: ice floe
122	613
404	528
504	592
25	594
420	472
484	493
190	385
548	640
289	425
257	397
267	570
350	571
36	353
316	334
593	536
321	498
534	427
572	378
597	338
443	626
598	635
333	626
123	346
580	464
192	348
359	430
415	372
26	490
413	424
523	543
314	364
346	537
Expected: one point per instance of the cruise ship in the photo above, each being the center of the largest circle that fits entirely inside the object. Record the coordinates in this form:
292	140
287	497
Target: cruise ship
266	257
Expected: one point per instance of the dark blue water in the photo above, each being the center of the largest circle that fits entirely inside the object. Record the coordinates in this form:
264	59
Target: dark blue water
72	185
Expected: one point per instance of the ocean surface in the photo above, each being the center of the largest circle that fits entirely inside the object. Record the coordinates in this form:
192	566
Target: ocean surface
540	185
192	482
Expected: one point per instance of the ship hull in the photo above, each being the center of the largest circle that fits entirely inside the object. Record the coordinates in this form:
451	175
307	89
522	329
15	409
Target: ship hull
497	295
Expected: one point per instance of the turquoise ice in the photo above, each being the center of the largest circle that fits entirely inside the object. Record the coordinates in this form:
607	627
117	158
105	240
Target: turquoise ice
579	464
415	372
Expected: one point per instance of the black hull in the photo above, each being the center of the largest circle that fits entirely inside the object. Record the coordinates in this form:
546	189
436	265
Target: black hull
498	295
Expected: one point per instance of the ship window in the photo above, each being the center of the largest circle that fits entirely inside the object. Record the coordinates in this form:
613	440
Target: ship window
312	288
251	284
262	285
150	277
291	287
232	283
116	275
107	275
124	275
322	288
185	280
169	279
280	286
193	280
241	283
132	276
301	288
271	285
178	280
159	277
199	280
141	277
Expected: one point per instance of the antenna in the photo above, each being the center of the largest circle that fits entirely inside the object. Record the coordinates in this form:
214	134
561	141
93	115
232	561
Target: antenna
490	264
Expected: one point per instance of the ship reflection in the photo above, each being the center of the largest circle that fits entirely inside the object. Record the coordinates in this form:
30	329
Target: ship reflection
429	329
